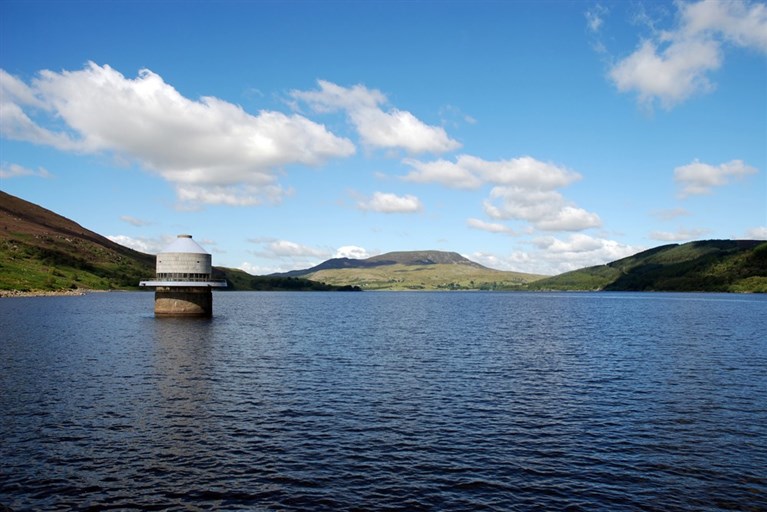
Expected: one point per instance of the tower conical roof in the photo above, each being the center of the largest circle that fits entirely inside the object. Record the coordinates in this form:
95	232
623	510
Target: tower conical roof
184	243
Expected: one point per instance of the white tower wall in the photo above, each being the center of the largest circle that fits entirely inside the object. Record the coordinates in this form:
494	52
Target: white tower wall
183	263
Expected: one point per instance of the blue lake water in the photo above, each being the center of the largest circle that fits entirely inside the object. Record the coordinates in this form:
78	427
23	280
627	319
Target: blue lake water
386	401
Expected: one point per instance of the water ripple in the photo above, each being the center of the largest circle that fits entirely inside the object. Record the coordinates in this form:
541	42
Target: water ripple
497	402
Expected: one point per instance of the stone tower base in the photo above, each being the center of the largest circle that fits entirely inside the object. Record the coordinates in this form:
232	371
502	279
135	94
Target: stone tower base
183	301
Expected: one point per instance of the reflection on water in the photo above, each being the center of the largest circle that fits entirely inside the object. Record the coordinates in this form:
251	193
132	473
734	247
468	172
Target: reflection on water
422	401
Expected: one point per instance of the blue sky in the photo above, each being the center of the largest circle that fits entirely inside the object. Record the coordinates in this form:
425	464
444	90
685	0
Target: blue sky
537	136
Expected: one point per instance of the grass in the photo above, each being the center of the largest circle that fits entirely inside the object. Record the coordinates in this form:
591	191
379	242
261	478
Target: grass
424	277
60	263
707	266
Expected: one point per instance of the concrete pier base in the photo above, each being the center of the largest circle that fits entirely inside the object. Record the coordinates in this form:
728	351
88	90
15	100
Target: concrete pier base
184	301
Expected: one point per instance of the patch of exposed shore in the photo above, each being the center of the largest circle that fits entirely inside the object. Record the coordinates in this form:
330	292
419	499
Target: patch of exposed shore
44	293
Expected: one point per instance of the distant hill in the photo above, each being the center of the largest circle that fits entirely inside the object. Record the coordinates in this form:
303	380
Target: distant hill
414	270
43	251
390	258
709	265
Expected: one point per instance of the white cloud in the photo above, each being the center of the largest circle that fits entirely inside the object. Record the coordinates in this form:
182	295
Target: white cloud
471	172
492	227
546	210
550	255
674	65
16	171
738	22
255	270
595	17
377	128
384	202
352	251
444	172
757	233
286	255
16	91
285	248
231	195
554	255
212	150
142	244
672	76
525	189
134	221
488	260
569	218
682	235
698	178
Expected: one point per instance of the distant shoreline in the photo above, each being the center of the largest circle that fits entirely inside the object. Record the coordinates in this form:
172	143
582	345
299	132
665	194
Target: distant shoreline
45	293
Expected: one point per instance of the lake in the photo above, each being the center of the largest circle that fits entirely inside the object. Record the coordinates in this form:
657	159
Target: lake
386	401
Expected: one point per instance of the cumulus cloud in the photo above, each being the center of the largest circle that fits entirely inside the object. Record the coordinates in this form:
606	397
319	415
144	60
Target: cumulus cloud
672	75
212	150
671	66
16	171
550	255
489	260
379	128
492	227
698	178
546	210
146	245
286	248
682	235
286	255
553	255
471	172
384	202
444	172
525	189
256	270
352	251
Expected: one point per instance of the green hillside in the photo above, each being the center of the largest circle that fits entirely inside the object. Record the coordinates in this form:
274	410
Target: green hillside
710	265
43	251
416	270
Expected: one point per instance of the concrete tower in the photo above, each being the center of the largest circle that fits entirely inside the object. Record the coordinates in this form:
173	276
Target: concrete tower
183	284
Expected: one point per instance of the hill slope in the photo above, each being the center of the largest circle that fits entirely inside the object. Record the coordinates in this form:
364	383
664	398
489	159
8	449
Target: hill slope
710	265
41	251
414	270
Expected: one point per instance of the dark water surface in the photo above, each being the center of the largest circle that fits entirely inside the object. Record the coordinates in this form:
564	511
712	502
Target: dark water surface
386	401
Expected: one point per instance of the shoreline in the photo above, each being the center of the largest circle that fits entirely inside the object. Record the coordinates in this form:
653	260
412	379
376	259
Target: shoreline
46	293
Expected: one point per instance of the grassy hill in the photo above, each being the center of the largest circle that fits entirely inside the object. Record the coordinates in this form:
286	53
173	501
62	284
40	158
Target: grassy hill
710	265
43	251
414	270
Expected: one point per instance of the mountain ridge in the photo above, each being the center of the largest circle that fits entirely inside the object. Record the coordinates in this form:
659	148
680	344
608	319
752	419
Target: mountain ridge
408	258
